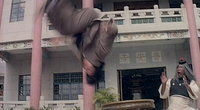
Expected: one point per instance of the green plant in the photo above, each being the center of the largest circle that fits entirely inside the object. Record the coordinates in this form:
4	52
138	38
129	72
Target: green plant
105	96
75	108
46	108
31	108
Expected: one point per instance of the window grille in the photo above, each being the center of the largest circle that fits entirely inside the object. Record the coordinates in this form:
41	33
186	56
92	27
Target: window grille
17	10
24	87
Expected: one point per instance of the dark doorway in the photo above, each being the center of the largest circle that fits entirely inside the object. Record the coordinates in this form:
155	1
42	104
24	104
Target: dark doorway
141	84
177	3
135	5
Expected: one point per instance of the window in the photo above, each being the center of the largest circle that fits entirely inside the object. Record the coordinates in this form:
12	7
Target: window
68	86
1	92
24	87
190	66
17	10
51	27
101	84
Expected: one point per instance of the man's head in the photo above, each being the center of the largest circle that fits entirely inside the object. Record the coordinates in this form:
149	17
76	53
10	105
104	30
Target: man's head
94	73
180	71
183	69
89	68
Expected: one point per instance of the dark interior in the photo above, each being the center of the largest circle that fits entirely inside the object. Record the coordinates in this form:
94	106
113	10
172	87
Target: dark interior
142	84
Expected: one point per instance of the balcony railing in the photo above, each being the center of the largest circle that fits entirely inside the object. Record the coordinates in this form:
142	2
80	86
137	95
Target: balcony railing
131	17
54	105
142	21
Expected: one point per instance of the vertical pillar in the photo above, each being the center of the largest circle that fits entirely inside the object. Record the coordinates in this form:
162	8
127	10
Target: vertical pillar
88	3
194	42
36	61
88	90
88	94
1	11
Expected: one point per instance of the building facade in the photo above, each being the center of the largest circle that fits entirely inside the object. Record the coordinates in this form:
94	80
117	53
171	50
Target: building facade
153	35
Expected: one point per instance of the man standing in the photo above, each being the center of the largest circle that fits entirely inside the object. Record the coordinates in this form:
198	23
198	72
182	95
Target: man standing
181	90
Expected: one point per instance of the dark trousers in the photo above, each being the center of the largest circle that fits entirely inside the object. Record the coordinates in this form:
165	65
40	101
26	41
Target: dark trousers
67	20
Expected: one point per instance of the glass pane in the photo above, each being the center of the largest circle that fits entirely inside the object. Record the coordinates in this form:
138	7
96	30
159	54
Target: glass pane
80	91
58	81
66	76
173	19
15	1
65	97
22	5
20	18
179	19
57	76
27	89
22	0
151	20
21	91
28	81
14	11
57	97
76	78
119	22
145	20
74	91
22	98
66	86
56	87
65	80
18	1
14	16
56	92
20	14
21	10
27	93
169	20
74	97
20	81
101	85
15	6
51	27
81	85
74	86
66	91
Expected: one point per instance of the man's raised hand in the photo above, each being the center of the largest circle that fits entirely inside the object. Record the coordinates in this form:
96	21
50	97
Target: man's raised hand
164	77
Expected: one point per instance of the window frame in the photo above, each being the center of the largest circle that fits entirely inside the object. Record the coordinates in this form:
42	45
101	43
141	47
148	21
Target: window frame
24	86
62	86
18	18
99	86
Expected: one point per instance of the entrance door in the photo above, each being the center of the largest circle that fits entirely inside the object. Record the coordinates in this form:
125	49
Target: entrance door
141	84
